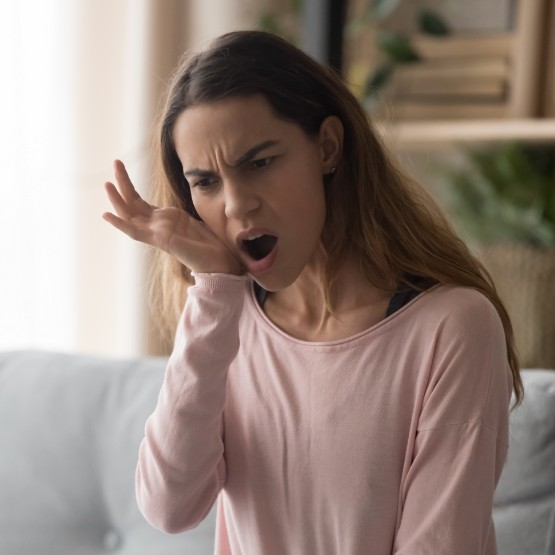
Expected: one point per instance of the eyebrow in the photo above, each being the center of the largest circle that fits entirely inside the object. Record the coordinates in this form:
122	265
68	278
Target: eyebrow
252	152
246	157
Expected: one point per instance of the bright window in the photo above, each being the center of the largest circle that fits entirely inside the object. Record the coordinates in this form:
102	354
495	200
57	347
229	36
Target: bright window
36	244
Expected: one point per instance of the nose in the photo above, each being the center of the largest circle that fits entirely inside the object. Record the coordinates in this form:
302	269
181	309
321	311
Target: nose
240	200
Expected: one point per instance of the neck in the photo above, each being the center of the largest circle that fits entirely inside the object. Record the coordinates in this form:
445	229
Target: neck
301	309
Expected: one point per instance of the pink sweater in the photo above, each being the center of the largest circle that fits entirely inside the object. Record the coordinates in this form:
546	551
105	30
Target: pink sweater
391	441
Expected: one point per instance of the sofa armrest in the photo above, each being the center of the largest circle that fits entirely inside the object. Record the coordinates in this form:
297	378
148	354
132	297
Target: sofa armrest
524	504
70	428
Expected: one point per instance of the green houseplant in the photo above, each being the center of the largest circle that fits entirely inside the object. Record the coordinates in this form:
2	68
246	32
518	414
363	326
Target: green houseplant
507	195
503	201
395	47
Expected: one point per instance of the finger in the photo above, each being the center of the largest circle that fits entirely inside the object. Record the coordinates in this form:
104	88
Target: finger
125	226
119	204
128	191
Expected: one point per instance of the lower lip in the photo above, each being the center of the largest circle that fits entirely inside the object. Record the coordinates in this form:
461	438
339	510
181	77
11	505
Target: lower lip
262	265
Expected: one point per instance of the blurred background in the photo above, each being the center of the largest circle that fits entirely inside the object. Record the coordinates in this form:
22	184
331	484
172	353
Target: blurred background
82	83
462	91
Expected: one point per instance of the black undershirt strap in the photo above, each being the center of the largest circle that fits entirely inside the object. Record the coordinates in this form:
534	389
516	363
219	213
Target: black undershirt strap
399	299
406	292
260	293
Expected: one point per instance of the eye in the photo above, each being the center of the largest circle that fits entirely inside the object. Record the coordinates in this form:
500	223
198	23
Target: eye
261	163
204	183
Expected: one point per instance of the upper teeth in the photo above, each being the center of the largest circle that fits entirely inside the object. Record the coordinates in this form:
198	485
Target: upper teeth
253	237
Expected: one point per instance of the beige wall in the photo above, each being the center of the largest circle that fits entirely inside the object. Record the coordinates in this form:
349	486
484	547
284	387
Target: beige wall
124	51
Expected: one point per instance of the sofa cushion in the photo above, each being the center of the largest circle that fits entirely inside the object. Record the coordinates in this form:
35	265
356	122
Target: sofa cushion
524	511
70	428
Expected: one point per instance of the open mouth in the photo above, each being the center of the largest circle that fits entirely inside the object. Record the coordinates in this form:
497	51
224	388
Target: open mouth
259	247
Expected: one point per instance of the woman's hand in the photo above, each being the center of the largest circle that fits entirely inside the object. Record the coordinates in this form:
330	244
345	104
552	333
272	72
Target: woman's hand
170	229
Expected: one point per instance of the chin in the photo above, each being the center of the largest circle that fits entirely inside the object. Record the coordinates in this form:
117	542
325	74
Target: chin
273	283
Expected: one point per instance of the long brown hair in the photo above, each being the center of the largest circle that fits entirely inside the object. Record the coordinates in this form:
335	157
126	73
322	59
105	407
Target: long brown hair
395	229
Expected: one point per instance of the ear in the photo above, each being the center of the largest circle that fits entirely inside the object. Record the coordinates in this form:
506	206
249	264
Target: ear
331	143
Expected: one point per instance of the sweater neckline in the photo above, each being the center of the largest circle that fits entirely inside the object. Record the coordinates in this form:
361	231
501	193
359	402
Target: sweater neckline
383	324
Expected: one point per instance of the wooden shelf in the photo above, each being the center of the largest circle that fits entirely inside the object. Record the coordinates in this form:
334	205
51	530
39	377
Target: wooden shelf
437	134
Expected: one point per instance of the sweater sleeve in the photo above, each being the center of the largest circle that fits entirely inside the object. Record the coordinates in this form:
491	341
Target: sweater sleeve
181	466
461	440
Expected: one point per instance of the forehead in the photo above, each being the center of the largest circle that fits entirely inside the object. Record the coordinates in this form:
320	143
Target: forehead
230	115
229	127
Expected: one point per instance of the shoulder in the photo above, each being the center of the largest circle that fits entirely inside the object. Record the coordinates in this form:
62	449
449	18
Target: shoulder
468	356
464	299
451	308
461	320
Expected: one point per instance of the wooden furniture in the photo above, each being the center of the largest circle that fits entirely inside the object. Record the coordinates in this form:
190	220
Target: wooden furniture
475	75
419	135
521	108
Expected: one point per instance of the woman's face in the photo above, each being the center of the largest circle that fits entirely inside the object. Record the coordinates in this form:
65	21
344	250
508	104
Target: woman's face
256	182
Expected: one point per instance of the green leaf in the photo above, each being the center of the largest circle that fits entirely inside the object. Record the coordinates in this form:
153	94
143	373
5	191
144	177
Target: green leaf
431	23
503	195
397	47
541	157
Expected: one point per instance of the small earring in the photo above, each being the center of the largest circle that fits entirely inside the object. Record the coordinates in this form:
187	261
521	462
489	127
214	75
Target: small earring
332	171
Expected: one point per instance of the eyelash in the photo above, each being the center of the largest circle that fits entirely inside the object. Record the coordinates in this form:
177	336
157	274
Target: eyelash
267	161
203	183
259	164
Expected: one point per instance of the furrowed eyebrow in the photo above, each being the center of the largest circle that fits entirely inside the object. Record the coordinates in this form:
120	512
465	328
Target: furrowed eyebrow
252	152
246	157
198	172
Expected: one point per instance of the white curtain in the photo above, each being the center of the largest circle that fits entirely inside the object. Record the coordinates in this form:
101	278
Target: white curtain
81	86
36	152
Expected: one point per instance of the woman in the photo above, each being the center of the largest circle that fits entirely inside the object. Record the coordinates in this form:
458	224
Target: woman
342	369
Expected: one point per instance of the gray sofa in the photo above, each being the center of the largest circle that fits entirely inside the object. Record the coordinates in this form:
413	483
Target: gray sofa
70	426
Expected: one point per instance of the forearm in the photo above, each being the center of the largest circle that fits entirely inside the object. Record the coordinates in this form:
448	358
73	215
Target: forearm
181	464
449	492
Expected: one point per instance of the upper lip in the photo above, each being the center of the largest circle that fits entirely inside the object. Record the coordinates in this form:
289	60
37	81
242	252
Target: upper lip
251	232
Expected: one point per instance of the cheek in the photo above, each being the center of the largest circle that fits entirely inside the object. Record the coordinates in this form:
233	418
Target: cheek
313	197
308	212
196	209
319	206
188	202
201	204
209	213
